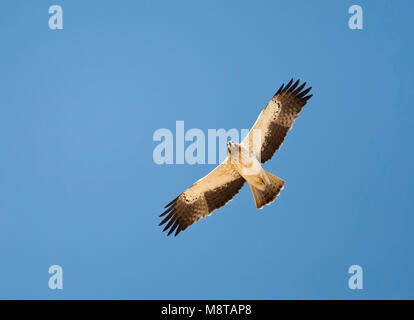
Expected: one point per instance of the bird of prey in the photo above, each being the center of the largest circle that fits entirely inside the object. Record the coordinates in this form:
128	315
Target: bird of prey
243	163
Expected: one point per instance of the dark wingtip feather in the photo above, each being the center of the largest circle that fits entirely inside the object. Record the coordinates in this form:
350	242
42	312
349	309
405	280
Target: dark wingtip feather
308	97
299	89
173	223
280	89
166	211
295	90
304	92
288	85
173	219
294	85
171	202
167	218
174	226
179	229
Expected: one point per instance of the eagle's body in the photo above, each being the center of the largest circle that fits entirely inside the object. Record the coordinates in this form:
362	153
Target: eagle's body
243	163
242	160
247	165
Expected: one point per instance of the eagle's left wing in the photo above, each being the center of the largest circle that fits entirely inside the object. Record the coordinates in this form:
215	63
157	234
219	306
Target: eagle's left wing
276	119
202	198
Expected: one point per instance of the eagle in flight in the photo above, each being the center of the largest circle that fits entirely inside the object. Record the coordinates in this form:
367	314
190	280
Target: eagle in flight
243	163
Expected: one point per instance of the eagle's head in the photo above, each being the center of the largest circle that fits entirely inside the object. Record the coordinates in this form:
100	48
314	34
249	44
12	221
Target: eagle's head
232	146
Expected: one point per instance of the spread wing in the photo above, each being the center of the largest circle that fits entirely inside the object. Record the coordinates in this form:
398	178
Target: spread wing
276	119
202	198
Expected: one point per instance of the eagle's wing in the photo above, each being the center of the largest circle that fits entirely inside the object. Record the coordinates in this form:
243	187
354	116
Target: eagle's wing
202	198
276	119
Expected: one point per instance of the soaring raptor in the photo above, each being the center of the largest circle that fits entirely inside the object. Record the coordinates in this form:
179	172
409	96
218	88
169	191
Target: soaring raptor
243	163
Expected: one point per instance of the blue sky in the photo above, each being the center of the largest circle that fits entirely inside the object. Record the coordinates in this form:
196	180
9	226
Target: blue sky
79	188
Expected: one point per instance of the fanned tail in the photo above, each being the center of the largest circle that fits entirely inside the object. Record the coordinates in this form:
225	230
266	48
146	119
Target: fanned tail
272	189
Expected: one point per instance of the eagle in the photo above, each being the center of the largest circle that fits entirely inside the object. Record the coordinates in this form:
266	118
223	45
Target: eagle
243	163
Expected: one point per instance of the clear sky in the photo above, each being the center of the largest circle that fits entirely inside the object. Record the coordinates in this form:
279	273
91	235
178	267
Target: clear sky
79	187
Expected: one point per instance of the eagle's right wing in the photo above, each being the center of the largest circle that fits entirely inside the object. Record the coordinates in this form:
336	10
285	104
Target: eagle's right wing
276	120
202	198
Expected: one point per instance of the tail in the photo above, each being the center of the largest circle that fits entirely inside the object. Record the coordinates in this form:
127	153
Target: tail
272	187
